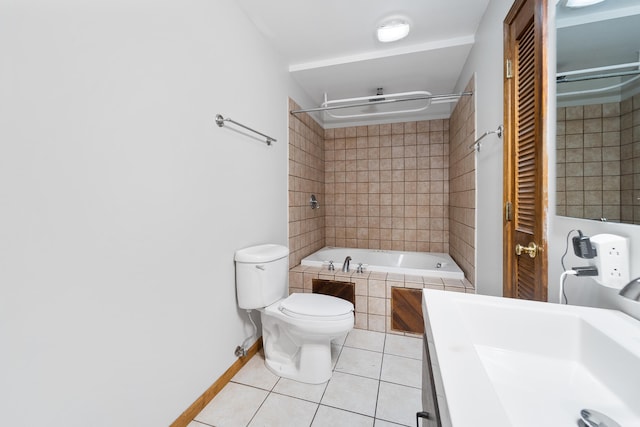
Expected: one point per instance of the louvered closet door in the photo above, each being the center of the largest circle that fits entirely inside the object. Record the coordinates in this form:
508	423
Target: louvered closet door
525	273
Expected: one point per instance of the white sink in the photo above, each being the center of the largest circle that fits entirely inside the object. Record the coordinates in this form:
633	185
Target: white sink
510	362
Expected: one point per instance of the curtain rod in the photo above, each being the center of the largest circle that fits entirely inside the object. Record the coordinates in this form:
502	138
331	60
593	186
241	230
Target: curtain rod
596	69
564	79
386	101
600	89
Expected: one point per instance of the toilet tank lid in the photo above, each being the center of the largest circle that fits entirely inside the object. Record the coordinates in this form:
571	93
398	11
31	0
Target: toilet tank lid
261	253
316	305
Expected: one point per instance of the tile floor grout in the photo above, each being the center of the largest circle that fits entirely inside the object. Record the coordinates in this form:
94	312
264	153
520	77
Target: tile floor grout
307	400
331	409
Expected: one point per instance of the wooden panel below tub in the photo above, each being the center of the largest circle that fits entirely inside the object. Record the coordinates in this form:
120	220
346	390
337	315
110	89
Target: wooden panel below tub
344	290
406	310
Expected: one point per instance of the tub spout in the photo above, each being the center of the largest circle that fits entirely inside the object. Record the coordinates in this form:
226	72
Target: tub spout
632	290
345	264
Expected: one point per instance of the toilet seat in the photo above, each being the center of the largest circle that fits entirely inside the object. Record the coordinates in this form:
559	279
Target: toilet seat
320	306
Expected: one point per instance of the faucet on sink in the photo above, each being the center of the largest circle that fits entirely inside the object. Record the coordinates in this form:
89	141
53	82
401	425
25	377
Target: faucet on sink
632	290
345	264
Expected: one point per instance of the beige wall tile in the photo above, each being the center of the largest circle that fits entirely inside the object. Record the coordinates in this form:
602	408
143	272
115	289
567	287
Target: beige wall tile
376	306
377	288
307	176
462	171
361	321
362	304
376	323
405	186
389	192
594	153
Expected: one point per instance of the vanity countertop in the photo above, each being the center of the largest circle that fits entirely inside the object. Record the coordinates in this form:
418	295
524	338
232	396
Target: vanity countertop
508	362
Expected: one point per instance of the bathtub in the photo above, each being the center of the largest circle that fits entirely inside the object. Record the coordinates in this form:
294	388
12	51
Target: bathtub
413	263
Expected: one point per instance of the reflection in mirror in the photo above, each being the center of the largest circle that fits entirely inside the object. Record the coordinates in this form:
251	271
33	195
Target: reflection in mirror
598	100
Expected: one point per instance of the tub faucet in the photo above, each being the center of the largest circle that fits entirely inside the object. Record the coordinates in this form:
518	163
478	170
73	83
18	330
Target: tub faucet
345	264
632	290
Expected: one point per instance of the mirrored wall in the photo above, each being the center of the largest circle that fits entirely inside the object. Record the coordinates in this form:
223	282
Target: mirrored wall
598	100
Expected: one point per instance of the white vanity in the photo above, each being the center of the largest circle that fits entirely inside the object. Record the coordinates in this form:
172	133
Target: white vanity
505	362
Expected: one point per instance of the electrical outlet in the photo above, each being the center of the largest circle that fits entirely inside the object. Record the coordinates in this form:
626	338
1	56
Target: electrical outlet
612	260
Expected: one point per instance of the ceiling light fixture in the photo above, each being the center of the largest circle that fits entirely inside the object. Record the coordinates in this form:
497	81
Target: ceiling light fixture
582	3
393	30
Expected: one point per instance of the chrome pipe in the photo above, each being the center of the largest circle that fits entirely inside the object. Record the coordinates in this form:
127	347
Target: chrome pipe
476	145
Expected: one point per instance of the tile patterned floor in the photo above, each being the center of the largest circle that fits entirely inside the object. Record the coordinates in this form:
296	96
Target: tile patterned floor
375	383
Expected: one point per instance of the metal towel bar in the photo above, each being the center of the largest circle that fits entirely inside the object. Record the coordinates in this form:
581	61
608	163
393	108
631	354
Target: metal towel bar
220	122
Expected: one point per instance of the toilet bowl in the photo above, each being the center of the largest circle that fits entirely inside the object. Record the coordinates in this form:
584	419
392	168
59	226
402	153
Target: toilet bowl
297	330
297	333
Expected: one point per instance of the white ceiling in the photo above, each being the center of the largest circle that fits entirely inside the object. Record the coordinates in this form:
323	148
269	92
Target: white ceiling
602	34
331	48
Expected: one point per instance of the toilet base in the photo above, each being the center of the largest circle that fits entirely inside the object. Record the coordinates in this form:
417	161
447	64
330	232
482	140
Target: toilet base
299	355
312	367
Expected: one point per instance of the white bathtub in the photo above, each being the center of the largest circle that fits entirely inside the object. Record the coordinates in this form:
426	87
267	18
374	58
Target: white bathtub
414	263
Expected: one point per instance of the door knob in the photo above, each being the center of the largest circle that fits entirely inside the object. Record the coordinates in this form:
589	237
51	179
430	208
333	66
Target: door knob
532	249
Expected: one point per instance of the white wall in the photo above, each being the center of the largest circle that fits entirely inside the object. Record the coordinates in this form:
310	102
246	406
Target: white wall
580	290
122	203
486	62
585	290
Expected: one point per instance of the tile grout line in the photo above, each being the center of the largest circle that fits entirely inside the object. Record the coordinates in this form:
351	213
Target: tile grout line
340	349
348	410
315	413
375	412
265	399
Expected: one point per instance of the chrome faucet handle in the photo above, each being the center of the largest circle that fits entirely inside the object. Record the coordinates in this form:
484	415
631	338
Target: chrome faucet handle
360	268
331	266
592	418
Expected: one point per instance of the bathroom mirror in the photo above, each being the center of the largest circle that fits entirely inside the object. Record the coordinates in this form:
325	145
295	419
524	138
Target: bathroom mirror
598	111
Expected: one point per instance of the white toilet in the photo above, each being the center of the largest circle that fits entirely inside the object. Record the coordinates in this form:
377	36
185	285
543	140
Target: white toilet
297	330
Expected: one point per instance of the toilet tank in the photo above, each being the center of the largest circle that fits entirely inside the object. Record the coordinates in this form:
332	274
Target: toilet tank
261	275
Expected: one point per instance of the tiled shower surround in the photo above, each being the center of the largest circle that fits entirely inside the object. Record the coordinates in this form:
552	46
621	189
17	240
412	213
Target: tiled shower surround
598	161
462	187
306	177
387	186
402	186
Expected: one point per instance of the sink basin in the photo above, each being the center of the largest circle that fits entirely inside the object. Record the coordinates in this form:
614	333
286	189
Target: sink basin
506	362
